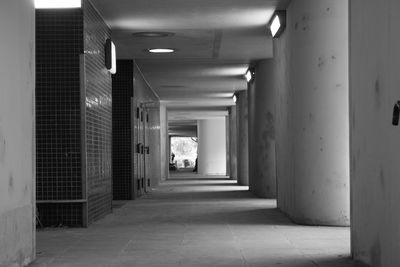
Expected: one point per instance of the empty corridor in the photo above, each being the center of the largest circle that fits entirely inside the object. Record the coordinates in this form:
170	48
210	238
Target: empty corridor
189	222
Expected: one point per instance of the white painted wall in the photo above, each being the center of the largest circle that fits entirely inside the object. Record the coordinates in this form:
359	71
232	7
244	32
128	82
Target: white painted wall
212	146
312	116
375	143
17	83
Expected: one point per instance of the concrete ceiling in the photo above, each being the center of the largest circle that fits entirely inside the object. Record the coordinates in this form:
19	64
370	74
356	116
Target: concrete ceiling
187	128
215	41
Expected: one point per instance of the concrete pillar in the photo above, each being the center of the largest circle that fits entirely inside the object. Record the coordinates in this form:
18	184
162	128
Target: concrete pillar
212	147
262	176
375	142
17	147
311	81
242	138
227	142
164	140
233	173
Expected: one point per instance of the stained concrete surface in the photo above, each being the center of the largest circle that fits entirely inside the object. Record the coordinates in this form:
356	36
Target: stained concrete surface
196	223
311	77
375	142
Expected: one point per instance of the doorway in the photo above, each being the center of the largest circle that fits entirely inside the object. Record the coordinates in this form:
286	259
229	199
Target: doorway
183	156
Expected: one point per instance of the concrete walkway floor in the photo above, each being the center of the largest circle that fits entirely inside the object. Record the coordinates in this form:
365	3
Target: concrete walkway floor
195	223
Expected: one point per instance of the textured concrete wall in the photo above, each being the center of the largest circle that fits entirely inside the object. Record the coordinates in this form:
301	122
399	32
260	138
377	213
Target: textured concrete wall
262	176
311	81
242	138
212	146
17	83
375	143
233	169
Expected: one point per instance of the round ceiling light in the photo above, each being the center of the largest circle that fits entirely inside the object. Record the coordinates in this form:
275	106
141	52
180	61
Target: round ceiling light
153	34
161	50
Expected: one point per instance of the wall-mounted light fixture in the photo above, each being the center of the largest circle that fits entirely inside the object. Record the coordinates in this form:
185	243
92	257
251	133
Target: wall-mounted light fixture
47	4
250	74
234	98
278	23
110	56
161	50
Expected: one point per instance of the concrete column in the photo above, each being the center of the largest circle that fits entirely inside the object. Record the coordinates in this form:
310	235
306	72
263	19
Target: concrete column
227	142
164	139
212	147
311	80
17	146
262	176
233	173
242	138
375	142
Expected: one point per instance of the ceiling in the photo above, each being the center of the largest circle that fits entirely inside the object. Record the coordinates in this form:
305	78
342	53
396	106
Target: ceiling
215	42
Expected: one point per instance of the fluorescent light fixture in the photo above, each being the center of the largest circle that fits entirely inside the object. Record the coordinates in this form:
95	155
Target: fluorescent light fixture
111	57
161	50
153	34
278	23
58	4
249	75
275	25
234	97
113	69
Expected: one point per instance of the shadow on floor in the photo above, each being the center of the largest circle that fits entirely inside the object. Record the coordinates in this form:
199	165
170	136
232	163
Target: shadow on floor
204	195
229	183
242	217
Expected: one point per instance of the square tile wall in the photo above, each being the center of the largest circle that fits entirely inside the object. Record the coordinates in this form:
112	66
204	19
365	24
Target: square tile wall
98	115
61	37
59	42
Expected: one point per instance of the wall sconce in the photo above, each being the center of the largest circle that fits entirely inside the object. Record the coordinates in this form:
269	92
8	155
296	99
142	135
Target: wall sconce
110	56
250	74
234	98
278	23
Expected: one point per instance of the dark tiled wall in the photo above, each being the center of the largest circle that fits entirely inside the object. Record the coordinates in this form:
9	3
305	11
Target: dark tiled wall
98	116
61	214
59	42
122	92
62	165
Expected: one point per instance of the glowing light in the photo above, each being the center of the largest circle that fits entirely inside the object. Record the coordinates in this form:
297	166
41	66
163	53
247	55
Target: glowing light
234	97
58	4
113	69
248	76
161	50
275	25
111	57
278	23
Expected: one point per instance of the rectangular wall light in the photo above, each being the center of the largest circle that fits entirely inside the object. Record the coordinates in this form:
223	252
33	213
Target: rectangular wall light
58	4
111	57
278	23
249	75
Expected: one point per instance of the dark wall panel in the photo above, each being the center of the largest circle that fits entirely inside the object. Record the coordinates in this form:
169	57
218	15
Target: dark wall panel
122	92
59	42
70	178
